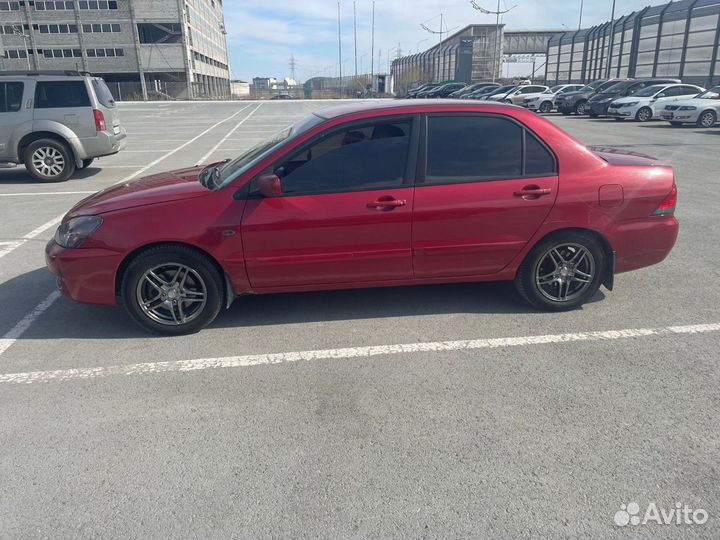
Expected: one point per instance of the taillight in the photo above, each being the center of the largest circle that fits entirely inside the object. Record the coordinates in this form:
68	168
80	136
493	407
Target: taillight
667	207
100	124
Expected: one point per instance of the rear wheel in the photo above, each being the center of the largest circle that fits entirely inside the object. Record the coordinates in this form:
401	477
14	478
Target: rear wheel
172	290
707	119
645	114
49	160
545	107
562	272
581	108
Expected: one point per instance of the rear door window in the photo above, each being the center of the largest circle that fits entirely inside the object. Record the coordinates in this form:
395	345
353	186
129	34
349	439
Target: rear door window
61	94
11	95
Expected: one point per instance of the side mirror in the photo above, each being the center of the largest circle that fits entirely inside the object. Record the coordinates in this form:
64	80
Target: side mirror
270	186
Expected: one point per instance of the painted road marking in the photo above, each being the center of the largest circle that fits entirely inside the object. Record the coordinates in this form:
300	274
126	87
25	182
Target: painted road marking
44	193
225	138
15	245
336	354
20	328
12	246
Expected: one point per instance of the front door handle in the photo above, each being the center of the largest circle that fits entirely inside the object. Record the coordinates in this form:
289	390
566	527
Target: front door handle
386	203
532	192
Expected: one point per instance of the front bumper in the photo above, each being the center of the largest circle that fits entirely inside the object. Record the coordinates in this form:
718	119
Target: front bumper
621	113
84	275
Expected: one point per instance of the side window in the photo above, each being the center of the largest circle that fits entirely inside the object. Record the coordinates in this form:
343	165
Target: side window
11	96
467	149
55	94
360	158
483	148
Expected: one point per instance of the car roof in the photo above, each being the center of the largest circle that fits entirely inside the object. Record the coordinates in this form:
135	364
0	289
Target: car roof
412	105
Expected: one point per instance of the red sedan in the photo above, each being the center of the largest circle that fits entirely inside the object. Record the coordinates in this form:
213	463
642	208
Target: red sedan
370	196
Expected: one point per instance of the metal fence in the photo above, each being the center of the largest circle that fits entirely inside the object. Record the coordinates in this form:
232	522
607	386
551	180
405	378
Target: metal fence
161	91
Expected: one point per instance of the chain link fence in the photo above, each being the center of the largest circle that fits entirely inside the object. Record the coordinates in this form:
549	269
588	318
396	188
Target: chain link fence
164	91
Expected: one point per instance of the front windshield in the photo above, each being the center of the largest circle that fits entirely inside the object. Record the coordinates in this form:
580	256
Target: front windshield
502	90
713	93
650	91
617	87
553	90
242	163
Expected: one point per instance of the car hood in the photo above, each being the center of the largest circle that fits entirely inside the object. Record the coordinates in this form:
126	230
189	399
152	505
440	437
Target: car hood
158	188
576	94
604	95
631	99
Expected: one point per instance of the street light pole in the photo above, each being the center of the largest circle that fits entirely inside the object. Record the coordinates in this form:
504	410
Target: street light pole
611	40
498	42
355	31
340	62
582	5
372	46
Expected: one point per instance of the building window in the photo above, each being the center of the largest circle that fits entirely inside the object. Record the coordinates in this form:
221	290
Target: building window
9	6
16	53
98	4
57	28
105	53
62	53
104	28
55	5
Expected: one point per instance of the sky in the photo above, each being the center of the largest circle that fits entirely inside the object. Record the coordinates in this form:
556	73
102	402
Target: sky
263	34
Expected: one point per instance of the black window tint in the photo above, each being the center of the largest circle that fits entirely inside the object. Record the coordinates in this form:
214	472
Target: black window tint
103	93
11	95
538	159
357	159
473	148
50	95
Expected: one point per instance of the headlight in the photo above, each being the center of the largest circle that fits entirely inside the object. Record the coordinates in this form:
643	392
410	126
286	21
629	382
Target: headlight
631	104
688	108
605	100
74	232
530	100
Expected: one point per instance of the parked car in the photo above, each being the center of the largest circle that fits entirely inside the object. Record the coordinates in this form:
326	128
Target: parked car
282	97
545	101
650	102
575	102
426	91
446	89
465	92
483	93
517	96
598	104
414	92
56	122
352	197
501	93
702	110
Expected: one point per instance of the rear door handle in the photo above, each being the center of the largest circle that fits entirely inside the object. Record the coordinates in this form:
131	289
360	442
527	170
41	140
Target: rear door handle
532	192
386	203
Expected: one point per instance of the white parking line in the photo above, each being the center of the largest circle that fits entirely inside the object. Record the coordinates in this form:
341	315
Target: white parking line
20	328
340	354
225	138
45	193
12	247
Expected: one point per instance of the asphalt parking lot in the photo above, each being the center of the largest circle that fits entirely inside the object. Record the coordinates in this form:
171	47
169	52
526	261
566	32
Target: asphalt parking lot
384	429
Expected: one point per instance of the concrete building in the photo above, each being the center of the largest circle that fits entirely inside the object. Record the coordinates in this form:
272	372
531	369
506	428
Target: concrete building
148	48
474	54
678	39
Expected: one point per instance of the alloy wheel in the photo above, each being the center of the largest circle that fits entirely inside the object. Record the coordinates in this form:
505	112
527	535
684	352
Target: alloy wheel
581	108
172	294
48	161
545	107
707	119
564	272
644	114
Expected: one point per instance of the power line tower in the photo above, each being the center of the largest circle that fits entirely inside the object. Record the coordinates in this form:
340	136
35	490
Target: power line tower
293	67
498	13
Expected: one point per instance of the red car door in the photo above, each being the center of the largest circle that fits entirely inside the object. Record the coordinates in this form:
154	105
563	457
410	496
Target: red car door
345	213
485	187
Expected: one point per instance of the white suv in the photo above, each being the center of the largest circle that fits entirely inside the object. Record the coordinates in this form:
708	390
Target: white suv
56	122
650	102
518	94
545	101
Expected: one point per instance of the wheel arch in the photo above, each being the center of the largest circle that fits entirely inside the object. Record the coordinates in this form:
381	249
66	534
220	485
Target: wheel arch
30	138
228	289
609	270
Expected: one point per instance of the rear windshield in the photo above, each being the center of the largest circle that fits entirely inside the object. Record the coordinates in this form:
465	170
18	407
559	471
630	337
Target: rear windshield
103	93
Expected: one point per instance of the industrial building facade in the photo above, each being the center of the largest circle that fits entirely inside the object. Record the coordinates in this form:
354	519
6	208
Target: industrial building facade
150	49
679	39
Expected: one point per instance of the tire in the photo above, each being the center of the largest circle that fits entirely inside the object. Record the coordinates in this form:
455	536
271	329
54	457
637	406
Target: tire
545	107
542	262
581	108
706	119
195	293
509	102
49	160
86	163
645	114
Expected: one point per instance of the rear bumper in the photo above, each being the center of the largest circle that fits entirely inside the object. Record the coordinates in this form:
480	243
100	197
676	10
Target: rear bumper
643	242
679	116
103	144
84	275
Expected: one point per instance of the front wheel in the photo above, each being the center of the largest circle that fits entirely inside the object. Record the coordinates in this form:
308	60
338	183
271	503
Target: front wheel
546	107
49	160
562	272
645	114
707	119
581	108
172	290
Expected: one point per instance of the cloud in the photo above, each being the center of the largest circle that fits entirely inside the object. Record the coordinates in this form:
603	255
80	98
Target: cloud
264	33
